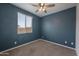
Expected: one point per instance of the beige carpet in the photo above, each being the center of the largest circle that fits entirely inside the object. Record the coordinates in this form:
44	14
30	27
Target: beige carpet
41	48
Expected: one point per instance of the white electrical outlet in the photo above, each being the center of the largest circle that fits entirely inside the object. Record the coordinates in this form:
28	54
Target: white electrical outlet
72	43
15	42
65	42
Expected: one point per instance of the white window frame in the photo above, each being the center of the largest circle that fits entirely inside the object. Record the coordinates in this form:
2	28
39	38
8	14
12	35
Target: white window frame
25	23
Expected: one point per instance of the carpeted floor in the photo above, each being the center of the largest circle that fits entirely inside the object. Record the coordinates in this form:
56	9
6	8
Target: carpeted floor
41	48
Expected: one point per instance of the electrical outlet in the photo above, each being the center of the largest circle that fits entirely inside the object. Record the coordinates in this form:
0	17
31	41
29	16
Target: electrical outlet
72	43
15	42
65	42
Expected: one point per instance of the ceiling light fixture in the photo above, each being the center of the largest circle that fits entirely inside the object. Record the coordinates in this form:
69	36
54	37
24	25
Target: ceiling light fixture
43	7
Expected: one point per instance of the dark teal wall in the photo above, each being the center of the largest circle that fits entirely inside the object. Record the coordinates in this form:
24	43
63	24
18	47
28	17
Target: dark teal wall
8	27
60	27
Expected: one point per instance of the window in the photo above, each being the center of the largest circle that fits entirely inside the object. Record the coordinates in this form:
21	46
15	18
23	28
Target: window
24	23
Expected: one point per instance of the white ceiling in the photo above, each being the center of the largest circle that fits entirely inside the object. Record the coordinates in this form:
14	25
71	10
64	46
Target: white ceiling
58	7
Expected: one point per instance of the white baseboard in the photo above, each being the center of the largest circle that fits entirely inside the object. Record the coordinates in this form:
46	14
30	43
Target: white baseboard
57	44
17	46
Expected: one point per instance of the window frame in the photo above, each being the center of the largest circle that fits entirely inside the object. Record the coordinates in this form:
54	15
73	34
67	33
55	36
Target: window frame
25	23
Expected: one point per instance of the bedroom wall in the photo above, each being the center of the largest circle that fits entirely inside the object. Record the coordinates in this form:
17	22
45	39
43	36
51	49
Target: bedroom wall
8	27
60	27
